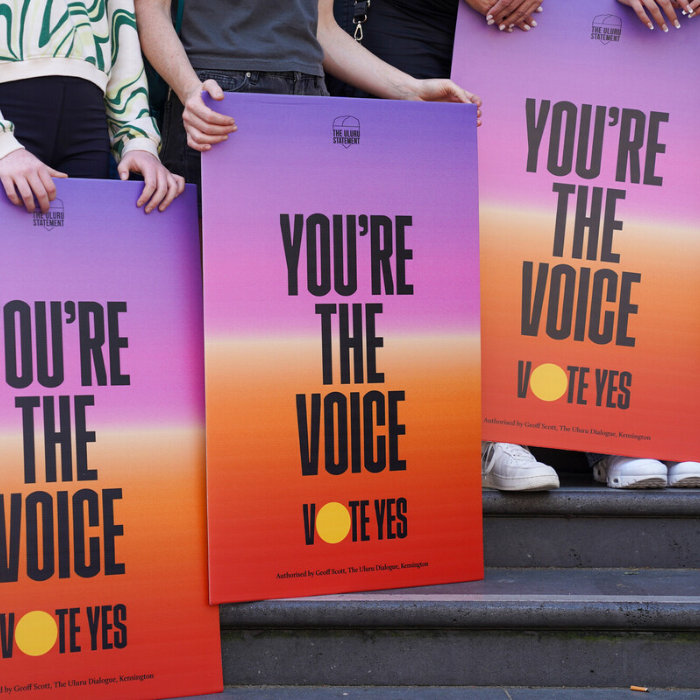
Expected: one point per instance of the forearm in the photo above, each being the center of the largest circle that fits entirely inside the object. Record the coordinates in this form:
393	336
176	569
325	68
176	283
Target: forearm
163	48
352	63
126	94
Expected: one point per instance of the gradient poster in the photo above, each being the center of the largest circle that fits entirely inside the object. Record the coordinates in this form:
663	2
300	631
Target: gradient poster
103	589
589	231
342	347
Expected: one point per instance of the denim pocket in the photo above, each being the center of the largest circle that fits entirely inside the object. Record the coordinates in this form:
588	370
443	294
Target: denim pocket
229	81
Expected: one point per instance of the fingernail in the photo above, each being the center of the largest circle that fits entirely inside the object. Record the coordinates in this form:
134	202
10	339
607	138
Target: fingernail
533	23
510	26
539	9
491	21
650	25
510	30
527	27
488	17
676	24
683	12
664	27
501	28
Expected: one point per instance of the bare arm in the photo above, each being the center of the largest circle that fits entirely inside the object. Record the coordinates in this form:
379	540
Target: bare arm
352	63
164	50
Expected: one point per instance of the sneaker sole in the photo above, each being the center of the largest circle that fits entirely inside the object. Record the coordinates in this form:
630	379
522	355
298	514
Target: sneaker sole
632	482
533	483
629	481
689	482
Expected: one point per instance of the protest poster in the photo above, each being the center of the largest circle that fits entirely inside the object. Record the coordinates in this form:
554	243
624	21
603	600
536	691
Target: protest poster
589	235
103	580
341	347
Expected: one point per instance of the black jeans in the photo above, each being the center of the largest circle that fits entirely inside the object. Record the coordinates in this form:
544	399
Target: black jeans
62	121
178	157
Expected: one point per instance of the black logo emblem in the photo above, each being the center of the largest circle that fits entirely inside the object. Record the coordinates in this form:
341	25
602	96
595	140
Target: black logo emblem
606	28
346	131
54	218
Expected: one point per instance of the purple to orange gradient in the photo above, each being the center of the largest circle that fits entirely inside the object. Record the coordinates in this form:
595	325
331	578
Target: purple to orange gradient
264	345
144	441
564	61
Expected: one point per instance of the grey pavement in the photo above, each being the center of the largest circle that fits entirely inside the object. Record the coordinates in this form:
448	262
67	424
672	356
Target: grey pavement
442	693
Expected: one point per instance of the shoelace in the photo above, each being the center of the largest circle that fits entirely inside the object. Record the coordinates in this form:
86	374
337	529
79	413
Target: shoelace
517	451
488	454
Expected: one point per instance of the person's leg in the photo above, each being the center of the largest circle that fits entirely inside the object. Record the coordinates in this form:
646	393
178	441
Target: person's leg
61	121
32	105
82	148
594	457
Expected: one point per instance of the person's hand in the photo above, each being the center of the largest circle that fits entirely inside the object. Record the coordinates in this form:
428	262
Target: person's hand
25	178
443	90
694	5
203	125
654	7
516	13
160	185
507	14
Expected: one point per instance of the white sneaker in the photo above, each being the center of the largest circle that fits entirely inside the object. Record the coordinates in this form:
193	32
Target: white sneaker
630	472
683	474
510	467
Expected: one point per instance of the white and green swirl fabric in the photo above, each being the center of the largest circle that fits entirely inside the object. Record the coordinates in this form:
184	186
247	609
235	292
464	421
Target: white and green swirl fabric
92	39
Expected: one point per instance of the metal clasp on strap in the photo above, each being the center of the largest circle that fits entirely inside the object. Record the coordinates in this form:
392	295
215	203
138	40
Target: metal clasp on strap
359	17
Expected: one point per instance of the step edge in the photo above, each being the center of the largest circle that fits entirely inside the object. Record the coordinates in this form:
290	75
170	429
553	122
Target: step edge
594	502
636	615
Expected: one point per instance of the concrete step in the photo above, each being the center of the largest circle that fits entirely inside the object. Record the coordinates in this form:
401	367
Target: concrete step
519	627
584	524
435	693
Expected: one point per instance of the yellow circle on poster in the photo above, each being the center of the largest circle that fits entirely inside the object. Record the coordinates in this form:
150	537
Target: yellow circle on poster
333	522
548	382
36	633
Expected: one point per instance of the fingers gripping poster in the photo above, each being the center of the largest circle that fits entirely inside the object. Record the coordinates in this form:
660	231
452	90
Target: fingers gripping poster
589	229
103	589
342	347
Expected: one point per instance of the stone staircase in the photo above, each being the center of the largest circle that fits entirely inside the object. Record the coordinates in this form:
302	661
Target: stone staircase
585	587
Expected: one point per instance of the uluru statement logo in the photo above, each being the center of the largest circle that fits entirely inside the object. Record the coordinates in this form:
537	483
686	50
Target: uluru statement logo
606	28
346	131
54	218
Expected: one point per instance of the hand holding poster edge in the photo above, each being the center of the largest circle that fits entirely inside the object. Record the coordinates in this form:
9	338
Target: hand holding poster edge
593	44
124	441
342	135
